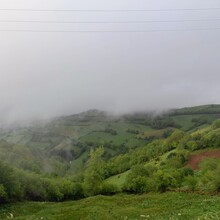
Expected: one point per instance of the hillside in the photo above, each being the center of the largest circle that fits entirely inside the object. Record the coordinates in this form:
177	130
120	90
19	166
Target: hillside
202	109
93	153
63	143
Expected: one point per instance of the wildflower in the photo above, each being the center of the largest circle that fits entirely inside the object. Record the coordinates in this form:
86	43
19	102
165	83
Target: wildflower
11	216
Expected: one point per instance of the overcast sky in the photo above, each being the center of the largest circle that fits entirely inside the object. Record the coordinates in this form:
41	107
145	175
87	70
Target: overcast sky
57	73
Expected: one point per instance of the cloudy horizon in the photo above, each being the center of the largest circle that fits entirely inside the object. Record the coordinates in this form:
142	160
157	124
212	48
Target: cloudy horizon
171	64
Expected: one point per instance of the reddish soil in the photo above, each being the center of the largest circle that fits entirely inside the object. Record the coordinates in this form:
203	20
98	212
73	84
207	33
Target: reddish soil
196	159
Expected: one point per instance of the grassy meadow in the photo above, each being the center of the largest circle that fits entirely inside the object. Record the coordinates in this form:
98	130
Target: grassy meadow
170	205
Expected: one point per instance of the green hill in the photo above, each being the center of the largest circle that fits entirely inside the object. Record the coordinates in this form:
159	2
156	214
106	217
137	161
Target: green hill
94	153
202	109
69	139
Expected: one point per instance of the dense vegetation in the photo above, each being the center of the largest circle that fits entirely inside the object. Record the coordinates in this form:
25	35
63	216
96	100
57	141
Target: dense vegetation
89	154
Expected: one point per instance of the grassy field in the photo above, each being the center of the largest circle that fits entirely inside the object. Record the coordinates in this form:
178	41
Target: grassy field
118	179
186	121
170	205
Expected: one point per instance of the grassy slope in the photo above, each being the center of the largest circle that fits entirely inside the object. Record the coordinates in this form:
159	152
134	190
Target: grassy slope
170	205
118	179
202	109
185	121
83	132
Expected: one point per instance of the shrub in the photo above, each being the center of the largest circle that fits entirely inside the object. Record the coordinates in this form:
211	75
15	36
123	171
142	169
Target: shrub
216	124
191	182
3	194
52	190
109	189
33	188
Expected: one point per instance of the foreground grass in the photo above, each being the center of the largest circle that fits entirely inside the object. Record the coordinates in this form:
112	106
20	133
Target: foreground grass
171	205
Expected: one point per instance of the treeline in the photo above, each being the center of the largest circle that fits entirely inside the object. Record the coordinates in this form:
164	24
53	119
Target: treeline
154	121
18	185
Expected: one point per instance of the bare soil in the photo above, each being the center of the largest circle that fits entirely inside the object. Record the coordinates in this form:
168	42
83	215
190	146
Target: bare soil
196	159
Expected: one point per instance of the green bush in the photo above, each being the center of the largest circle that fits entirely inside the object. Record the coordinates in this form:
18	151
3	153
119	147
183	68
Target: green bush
3	194
108	189
139	180
191	182
216	124
33	187
70	190
52	190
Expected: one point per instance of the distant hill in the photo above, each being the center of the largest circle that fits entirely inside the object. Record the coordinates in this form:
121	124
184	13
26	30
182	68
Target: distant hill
202	109
66	141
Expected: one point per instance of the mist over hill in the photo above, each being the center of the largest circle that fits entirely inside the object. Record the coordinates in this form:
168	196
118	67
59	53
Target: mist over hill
110	106
71	137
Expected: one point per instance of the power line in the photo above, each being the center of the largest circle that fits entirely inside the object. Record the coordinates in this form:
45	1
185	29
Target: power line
108	10
112	31
107	22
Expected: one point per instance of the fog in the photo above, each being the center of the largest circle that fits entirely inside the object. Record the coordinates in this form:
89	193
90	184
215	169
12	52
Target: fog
46	74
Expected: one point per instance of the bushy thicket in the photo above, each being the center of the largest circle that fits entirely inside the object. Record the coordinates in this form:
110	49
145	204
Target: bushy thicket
17	185
171	172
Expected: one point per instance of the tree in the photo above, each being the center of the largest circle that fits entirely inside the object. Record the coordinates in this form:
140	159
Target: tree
139	179
32	186
162	180
94	173
9	183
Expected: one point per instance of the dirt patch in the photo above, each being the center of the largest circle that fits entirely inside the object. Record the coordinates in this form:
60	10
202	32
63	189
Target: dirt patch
196	159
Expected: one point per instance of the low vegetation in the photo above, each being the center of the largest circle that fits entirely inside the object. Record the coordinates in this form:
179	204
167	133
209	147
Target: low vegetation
170	205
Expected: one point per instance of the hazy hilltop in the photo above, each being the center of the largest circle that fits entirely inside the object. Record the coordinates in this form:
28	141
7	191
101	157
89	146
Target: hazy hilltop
69	138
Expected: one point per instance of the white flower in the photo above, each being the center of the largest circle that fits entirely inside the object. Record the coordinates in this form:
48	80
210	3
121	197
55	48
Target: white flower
11	216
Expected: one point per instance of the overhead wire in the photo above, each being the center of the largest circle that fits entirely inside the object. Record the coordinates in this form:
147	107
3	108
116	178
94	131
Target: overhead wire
111	31
107	10
108	22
